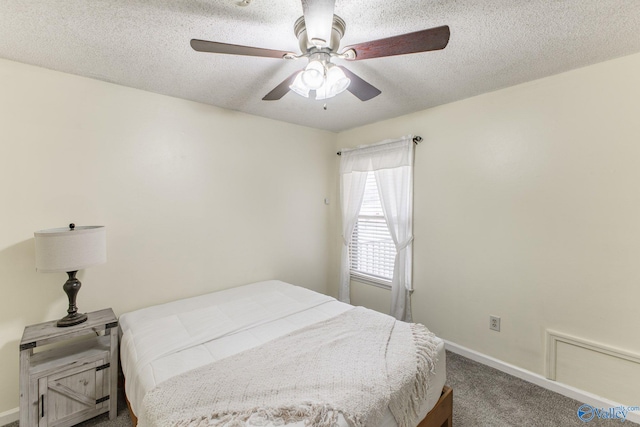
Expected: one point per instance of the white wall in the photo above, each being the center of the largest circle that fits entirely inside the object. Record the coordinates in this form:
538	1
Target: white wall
527	207
195	198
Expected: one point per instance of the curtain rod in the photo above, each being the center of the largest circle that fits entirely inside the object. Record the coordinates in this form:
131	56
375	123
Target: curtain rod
416	140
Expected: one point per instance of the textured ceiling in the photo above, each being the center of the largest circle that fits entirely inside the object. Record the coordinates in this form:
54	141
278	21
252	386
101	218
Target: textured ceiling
145	44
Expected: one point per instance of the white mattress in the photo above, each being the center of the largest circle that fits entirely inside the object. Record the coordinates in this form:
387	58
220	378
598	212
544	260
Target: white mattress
162	341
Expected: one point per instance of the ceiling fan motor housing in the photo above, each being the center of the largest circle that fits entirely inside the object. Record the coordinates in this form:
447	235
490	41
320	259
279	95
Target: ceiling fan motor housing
337	31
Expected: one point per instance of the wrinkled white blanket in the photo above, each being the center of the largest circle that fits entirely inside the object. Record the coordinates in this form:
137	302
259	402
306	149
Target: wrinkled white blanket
356	364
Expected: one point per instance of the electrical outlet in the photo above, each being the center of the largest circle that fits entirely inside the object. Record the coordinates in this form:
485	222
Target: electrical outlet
494	323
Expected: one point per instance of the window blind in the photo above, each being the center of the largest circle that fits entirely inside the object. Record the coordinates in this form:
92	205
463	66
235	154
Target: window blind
372	251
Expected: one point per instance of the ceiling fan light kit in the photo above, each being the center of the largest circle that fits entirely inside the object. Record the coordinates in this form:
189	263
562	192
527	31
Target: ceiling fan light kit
319	45
321	76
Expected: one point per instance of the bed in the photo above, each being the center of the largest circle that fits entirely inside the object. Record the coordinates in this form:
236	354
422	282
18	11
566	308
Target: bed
163	343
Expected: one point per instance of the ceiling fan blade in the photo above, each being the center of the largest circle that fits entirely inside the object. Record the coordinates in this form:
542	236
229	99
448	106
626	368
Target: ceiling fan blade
360	88
280	90
420	41
233	49
318	19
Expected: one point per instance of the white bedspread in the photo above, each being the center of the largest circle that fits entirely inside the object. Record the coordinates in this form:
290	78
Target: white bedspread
163	341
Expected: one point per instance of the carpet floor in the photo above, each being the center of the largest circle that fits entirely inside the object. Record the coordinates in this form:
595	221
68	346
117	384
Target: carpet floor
482	397
486	397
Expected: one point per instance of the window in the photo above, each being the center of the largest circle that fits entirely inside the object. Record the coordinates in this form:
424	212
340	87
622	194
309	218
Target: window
368	251
372	251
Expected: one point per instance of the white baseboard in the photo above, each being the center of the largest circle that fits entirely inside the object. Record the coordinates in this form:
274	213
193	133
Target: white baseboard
560	388
7	417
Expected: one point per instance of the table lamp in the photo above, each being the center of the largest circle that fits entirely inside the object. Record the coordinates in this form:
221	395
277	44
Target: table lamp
69	250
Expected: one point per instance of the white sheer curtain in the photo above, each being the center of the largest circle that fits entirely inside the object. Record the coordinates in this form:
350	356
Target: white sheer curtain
351	193
392	164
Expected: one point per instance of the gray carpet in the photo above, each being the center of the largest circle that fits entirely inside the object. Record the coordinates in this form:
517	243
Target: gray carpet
482	397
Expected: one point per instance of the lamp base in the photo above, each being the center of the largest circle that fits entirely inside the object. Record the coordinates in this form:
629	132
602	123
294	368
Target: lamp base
71	288
71	320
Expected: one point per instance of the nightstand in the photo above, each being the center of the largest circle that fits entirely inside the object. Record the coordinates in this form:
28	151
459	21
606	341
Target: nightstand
75	378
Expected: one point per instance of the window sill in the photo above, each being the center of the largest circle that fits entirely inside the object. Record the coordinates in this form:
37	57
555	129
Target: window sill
368	280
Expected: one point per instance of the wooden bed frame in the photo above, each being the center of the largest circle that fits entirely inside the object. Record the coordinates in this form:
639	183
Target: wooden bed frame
442	413
440	416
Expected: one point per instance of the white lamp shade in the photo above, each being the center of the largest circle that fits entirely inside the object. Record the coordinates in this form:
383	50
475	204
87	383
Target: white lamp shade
337	81
323	92
63	249
313	75
298	87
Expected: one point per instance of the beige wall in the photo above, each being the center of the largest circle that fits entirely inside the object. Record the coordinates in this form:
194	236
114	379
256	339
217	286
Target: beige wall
525	199
195	198
527	207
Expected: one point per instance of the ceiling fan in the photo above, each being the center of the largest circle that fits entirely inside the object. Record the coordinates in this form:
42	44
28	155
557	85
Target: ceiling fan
319	32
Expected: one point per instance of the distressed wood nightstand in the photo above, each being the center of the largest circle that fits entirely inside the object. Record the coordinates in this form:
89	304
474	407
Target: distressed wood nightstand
73	380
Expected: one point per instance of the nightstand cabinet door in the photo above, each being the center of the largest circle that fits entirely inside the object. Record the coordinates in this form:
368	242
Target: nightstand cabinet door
67	397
